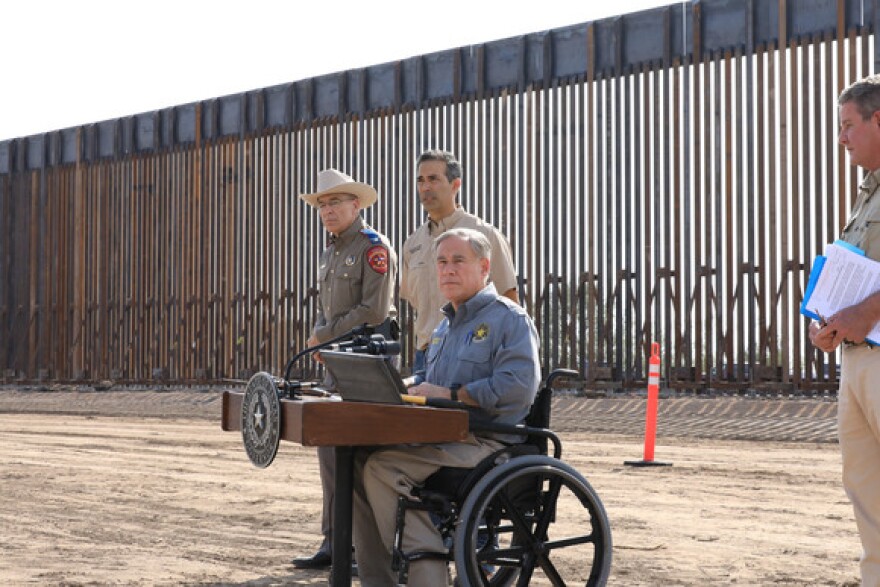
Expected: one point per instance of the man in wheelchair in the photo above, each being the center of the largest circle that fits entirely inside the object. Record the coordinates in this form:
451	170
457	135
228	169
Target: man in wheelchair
485	355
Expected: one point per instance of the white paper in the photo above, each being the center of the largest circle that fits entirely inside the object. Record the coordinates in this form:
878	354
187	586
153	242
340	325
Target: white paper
847	278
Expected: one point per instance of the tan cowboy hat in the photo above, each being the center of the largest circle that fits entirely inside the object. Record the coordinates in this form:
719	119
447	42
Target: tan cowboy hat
331	181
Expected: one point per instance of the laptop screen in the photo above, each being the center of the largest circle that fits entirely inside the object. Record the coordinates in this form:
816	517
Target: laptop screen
364	378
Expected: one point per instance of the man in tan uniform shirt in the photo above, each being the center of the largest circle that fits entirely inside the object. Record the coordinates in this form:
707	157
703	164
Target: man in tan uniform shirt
439	180
858	406
356	276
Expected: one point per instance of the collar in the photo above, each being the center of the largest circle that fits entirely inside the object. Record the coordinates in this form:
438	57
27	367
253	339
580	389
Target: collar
444	224
478	301
346	235
870	182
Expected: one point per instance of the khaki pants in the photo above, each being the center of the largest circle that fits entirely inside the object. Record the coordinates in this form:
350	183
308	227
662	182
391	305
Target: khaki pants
379	478
858	424
327	468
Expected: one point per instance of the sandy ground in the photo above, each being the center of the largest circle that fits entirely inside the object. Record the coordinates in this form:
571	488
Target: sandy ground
143	488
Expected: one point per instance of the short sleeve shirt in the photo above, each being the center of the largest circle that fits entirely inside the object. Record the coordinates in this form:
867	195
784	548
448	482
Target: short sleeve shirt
418	283
863	227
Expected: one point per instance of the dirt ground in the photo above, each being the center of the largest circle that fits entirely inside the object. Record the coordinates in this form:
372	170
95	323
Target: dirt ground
141	487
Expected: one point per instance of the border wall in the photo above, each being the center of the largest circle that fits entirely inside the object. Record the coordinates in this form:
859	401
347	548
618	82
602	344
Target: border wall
666	175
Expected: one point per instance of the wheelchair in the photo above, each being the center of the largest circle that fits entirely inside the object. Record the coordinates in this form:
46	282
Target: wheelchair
499	520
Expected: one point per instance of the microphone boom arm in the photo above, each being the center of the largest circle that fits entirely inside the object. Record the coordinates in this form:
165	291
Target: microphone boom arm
361	330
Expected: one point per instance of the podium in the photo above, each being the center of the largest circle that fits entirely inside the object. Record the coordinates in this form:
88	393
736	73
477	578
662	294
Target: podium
347	425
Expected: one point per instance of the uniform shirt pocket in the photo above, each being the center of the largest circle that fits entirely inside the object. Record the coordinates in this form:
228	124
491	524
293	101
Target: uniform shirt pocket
475	361
418	271
433	350
349	281
323	271
871	238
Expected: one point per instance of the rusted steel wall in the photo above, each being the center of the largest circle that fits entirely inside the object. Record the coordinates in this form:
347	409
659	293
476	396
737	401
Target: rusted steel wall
664	176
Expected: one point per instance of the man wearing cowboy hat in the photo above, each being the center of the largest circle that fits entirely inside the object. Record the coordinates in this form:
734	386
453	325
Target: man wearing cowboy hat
356	277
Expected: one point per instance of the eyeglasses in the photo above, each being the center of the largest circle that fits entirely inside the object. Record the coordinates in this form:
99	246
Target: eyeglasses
334	202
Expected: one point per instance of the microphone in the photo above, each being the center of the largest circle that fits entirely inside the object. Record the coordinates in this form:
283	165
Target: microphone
378	347
375	345
355	343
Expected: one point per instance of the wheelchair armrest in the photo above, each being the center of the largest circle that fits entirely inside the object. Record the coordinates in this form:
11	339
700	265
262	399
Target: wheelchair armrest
519	429
557	373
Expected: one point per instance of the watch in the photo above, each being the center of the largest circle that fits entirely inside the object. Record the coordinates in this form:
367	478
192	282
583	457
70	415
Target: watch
453	391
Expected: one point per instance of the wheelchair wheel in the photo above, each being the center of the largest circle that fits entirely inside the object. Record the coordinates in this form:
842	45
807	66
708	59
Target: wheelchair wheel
509	534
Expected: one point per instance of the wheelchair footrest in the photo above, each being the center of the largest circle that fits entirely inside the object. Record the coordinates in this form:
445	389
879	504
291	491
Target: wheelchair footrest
402	561
422	555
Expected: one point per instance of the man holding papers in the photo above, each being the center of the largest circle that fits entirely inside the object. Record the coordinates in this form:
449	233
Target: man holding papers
858	405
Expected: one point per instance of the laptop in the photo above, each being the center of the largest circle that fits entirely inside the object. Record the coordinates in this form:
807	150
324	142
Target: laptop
364	378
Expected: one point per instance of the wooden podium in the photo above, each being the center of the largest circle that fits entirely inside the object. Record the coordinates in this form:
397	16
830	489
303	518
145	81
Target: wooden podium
346	425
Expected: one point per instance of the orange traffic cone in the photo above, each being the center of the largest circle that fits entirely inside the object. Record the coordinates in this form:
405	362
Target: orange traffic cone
651	411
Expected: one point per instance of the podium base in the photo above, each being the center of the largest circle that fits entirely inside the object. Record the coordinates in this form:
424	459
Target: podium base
646	464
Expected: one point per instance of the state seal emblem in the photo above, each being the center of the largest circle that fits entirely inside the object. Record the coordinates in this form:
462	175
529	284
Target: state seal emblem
261	420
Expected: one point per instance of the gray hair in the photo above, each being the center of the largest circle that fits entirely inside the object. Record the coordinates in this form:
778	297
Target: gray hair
453	167
477	240
865	93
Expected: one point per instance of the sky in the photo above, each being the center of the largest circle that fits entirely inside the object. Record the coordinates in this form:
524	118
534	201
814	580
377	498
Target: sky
67	63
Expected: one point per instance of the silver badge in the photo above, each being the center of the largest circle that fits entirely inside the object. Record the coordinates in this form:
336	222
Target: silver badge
261	420
350	260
